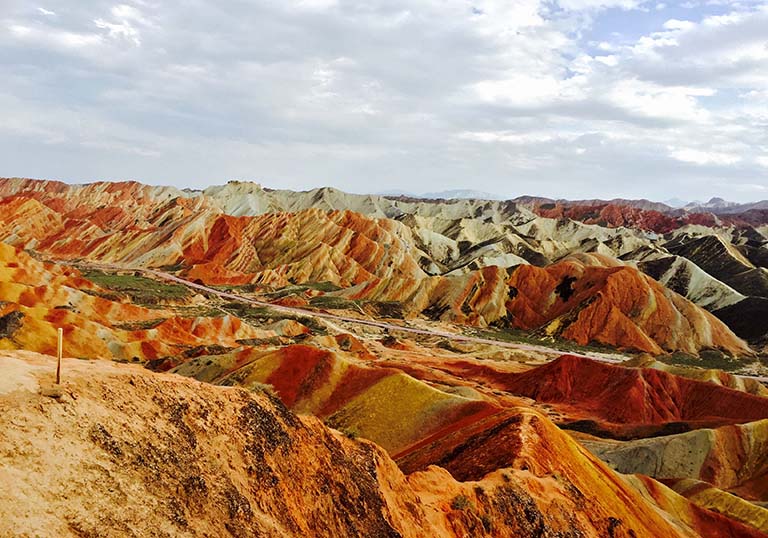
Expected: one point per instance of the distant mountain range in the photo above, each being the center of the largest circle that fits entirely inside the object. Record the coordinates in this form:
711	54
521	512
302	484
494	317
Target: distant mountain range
455	194
672	206
720	206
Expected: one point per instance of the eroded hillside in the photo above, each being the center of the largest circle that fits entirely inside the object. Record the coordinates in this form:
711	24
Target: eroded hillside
369	366
470	262
131	453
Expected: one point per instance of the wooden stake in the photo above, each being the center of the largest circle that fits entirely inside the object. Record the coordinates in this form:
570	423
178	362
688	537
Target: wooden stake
60	350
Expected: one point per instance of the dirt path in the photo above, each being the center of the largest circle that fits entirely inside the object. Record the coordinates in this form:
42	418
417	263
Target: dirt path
370	323
335	317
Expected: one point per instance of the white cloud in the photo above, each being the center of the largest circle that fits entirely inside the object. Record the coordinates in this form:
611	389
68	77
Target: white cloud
512	96
655	101
520	89
120	30
129	13
126	23
577	5
508	137
315	4
46	12
609	60
700	157
53	38
675	24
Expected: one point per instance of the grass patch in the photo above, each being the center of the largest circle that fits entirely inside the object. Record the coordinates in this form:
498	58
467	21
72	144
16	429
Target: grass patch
386	309
298	289
201	311
333	303
711	359
461	502
265	388
247	311
518	336
237	288
350	432
323	286
138	288
263	315
140	325
377	309
174	268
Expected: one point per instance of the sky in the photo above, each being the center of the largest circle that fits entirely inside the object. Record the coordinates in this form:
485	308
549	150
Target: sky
559	98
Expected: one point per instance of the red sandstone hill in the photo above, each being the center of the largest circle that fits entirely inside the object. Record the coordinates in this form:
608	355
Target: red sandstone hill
587	299
604	301
143	454
618	214
633	396
610	215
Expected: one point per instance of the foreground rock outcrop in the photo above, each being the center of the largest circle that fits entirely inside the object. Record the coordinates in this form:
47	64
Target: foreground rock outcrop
125	452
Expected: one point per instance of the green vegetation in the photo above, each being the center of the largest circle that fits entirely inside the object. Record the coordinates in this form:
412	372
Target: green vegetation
139	289
709	359
333	302
378	309
247	311
519	336
387	309
297	289
173	268
264	388
325	287
263	314
140	325
461	502
351	433
201	311
236	288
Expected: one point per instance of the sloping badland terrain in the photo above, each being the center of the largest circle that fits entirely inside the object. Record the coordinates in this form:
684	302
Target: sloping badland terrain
584	298
131	453
326	364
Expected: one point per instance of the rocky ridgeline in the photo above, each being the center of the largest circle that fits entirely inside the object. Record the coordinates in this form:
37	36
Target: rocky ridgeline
450	260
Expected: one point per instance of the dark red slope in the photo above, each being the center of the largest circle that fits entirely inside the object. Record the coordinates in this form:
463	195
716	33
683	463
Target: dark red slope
640	396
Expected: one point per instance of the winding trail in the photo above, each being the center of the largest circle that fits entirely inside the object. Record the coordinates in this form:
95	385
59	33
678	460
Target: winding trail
162	275
370	323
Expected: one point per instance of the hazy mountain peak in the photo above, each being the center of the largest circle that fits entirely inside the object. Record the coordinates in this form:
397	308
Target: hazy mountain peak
676	202
452	194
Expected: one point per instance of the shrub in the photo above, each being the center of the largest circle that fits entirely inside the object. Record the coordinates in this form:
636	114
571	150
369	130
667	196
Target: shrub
461	502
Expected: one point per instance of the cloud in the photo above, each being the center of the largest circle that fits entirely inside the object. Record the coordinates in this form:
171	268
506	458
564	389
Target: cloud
565	99
54	39
578	5
127	21
703	157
